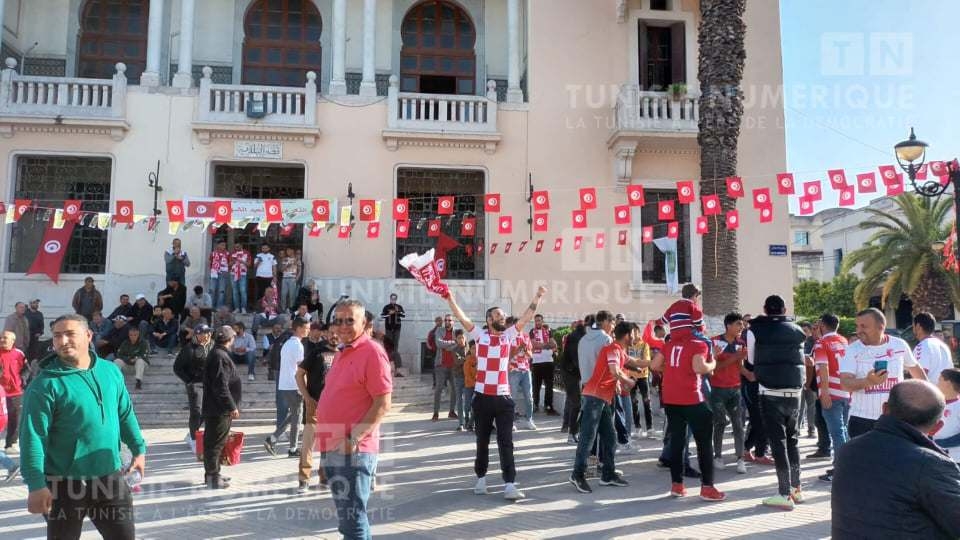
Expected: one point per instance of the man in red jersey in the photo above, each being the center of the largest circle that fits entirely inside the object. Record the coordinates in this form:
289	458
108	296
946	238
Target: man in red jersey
834	399
683	363
730	351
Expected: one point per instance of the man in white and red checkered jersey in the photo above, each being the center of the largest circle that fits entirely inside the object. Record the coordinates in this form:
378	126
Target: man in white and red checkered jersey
491	400
871	367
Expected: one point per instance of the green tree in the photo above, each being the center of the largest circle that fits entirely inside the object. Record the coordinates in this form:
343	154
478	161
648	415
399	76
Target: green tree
814	298
899	258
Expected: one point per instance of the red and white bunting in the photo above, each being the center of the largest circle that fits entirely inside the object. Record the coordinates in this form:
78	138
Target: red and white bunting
557	244
848	196
541	222
812	191
600	240
579	219
403	229
433	228
647	234
505	225
621	215
735	188
806	206
635	195
468	227
786	184
540	201
733	220
577	243
766	214
867	182
702	225
838	179
445	205
373	229
761	197
622	238
686	193
665	211
711	205
888	173
124	212
491	203
588	198
673	230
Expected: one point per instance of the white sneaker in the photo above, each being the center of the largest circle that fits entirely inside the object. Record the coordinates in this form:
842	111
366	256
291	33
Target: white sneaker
531	425
718	464
626	449
636	434
250	377
651	434
741	467
480	488
284	437
571	439
511	493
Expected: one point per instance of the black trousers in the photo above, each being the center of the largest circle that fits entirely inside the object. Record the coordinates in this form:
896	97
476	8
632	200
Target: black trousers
641	388
13	419
857	426
543	374
823	436
571	405
105	500
214	440
487	410
699	418
193	401
780	418
756	434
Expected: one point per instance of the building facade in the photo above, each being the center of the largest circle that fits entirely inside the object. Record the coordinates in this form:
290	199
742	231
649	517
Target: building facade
295	99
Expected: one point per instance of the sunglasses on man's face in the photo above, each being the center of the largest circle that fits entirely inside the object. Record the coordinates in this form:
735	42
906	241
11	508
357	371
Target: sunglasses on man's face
341	322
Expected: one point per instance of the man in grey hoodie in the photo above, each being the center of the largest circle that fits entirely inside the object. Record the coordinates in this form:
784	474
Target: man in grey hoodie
597	337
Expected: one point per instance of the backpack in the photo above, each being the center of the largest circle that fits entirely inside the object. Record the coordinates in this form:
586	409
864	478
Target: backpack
273	355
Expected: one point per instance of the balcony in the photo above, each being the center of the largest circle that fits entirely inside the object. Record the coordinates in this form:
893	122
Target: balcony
63	104
238	111
657	113
441	120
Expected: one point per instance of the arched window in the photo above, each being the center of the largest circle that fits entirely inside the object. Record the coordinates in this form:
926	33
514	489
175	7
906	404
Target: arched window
112	31
281	42
437	55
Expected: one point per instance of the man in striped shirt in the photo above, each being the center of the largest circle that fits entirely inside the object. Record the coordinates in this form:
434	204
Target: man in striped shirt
834	400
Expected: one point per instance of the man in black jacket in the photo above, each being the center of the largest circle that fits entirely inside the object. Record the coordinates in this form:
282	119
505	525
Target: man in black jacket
775	350
189	367
570	369
221	404
893	481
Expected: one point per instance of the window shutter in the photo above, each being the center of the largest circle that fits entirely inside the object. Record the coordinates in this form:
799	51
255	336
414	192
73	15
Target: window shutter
678	53
643	54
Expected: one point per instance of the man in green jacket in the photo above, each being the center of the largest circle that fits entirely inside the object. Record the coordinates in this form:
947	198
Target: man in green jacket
76	412
134	352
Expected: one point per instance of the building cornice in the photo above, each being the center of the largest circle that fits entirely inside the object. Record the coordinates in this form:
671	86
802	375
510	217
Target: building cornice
116	129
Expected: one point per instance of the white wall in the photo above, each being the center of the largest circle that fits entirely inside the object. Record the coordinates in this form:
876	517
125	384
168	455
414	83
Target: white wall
43	22
495	18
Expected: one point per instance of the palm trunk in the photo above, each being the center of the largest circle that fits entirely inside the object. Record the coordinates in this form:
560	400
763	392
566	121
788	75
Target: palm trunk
932	295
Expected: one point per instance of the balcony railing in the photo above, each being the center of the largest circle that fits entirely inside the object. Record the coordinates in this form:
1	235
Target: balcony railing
440	112
62	97
639	111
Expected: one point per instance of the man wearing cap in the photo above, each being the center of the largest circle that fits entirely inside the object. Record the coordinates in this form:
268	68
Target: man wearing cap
35	321
140	314
135	352
87	299
189	367
222	389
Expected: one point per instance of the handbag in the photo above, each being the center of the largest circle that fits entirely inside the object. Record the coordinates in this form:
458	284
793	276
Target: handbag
231	451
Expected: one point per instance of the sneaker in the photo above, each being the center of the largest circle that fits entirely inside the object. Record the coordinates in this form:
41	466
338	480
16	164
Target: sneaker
460	428
250	377
511	493
765	460
322	485
530	425
636	434
819	454
293	453
514	428
580	482
12	473
779	501
284	437
651	434
302	487
480	488
741	467
690	472
712	494
749	457
435	418
139	385
796	495
677	490
616	481
626	449
828	477
452	416
718	464
270	446
572	439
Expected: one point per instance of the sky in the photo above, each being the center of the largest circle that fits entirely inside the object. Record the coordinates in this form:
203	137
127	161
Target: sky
858	74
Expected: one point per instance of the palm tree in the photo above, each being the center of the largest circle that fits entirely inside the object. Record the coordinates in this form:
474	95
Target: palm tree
722	56
900	258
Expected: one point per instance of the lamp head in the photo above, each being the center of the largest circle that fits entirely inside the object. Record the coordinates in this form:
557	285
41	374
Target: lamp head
910	150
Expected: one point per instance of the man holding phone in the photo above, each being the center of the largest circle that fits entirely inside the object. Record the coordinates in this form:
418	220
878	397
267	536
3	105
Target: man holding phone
871	367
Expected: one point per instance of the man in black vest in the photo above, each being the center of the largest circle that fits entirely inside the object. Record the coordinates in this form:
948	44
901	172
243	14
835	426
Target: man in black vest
775	348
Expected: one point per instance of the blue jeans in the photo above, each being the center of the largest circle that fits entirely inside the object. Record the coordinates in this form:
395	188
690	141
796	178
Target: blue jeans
836	418
520	389
169	342
596	418
218	288
240	292
466	403
5	461
458	392
349	477
247	358
624	422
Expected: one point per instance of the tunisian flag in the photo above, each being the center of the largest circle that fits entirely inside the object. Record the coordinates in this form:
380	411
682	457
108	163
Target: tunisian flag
52	249
444	244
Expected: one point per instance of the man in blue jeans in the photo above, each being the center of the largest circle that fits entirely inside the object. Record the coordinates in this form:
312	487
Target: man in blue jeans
834	400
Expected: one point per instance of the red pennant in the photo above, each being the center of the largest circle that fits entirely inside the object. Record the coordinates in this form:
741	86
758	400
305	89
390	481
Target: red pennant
806	206
287	229
522	245
343	232
921	173
647	235
848	196
812	190
403	229
766	214
468	249
673	229
635	196
445	205
53	247
601	240
702	225
200	210
175	211
735	187
539	246
540	222
493	248
938	168
223	210
541	201
733	220
888	173
761	197
124	212
665	211
557	244
321	210
373	230
480	248
588	198
401	209
577	243
622	238
838	178
468	227
273	210
491	202
505	225
368	209
895	188
3	208
71	209
686	192
433	228
711	205
579	219
507	246
621	215
867	182
786	184
315	231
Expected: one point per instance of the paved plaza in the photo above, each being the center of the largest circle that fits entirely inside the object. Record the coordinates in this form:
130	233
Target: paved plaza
425	491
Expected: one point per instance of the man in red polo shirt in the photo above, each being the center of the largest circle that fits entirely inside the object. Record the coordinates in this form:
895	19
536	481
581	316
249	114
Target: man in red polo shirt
730	350
355	398
684	362
13	365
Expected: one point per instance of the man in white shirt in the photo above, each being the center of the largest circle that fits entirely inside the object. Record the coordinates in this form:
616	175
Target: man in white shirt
871	367
931	353
265	266
291	354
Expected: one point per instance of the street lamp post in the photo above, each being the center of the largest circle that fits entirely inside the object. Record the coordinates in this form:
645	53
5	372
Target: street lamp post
911	155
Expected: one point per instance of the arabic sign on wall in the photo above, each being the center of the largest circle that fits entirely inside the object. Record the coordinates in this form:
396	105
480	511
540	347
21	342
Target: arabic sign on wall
258	150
